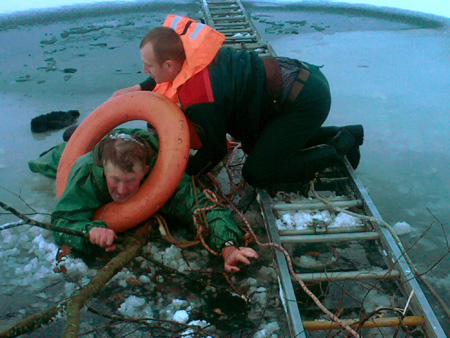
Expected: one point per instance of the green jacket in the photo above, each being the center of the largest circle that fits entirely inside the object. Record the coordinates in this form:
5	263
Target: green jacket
86	191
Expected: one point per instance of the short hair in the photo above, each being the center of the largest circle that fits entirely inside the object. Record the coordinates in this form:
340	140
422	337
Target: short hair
124	151
167	44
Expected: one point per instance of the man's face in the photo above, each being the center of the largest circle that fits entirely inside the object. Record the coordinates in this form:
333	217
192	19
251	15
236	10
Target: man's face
165	72
122	185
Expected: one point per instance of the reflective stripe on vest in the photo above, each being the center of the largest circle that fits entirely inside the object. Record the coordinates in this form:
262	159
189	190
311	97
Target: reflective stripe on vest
181	24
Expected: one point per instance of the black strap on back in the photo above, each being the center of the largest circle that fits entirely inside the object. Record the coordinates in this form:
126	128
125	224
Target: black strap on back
188	24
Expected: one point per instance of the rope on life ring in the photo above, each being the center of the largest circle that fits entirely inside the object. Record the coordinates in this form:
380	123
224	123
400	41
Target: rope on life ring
171	126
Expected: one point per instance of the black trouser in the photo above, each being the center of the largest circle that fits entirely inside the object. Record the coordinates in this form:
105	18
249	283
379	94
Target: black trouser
279	155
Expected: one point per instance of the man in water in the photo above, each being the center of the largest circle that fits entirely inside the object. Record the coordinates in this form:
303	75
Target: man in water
114	171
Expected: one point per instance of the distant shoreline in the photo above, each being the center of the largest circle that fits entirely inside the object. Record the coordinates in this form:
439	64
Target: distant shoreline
439	8
51	15
70	12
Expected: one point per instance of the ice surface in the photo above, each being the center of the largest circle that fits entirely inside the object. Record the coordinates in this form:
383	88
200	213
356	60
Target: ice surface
401	228
129	307
268	331
3	163
18	247
189	333
171	257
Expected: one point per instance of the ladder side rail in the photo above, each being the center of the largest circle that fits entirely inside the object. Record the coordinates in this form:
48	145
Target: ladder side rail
290	303
419	302
252	26
208	15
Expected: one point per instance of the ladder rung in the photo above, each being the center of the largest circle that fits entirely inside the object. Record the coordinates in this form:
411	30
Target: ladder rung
228	5
249	46
316	205
369	235
341	275
218	2
228	42
231	24
232	32
323	230
225	12
224	5
224	9
333	179
214	3
233	38
239	18
375	322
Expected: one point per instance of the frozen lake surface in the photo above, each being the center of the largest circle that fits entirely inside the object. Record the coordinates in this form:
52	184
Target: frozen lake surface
390	73
437	7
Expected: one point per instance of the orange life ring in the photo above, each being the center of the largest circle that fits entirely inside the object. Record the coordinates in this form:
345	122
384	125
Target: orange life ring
173	132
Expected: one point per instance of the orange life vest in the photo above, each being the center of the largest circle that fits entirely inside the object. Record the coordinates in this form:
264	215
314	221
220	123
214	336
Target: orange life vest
201	44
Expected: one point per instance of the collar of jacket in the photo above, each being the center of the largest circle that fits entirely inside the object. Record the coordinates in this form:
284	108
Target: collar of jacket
201	44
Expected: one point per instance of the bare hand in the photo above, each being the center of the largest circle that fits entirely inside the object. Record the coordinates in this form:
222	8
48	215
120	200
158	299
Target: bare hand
104	238
134	88
233	255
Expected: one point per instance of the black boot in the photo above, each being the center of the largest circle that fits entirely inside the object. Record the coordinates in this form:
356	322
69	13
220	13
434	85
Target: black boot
303	168
357	132
325	134
347	145
347	142
353	155
322	136
342	142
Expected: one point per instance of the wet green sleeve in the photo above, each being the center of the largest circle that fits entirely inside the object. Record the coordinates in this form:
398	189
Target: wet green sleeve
85	192
47	163
222	226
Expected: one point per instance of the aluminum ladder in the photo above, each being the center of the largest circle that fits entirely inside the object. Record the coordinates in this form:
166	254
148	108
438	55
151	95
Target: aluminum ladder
231	19
397	268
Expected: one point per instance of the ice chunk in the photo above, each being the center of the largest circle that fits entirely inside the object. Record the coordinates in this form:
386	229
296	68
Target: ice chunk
144	279
401	228
189	333
268	331
375	299
179	304
181	316
301	220
306	261
128	308
69	289
171	257
10	252
345	220
260	296
252	281
147	312
201	323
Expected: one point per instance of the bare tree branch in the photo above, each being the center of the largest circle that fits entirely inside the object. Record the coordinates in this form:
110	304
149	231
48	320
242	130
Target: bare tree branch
43	225
136	241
